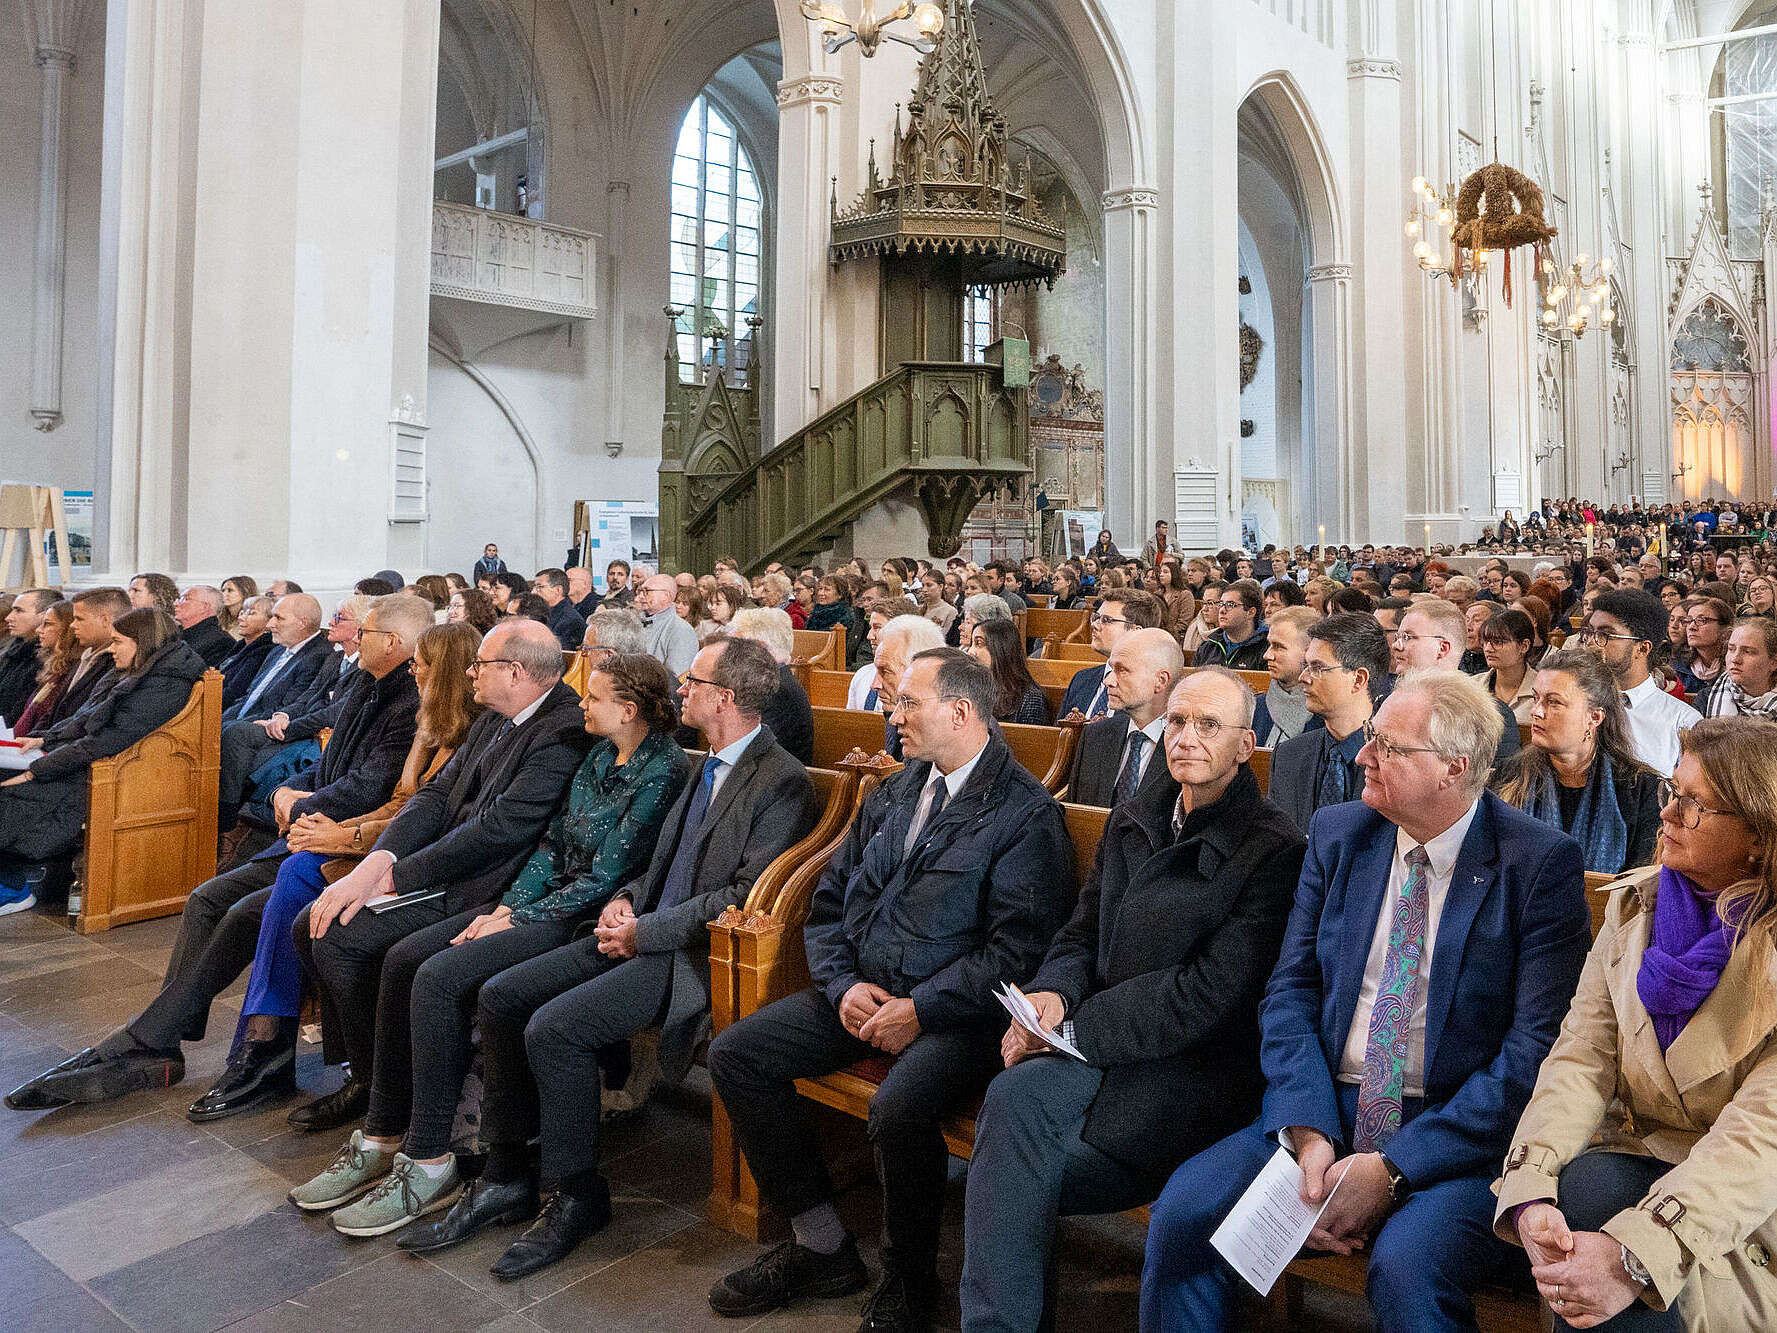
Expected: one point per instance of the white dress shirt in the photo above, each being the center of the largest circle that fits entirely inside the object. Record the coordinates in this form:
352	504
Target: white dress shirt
727	757
952	780
1655	719
1441	851
1153	731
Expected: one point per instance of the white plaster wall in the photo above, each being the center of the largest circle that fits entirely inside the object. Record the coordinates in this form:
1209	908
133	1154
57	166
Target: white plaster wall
66	456
483	482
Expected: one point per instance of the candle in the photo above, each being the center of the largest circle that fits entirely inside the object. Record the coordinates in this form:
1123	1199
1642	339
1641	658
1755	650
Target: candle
1323	541
1428	539
1588	541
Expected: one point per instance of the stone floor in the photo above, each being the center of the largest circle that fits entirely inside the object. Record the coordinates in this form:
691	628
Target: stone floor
129	1216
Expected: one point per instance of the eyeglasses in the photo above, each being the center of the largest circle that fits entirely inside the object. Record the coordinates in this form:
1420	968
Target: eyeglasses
690	679
367	630
1403	637
1388	749
1100	618
476	666
1690	810
1315	670
1207	728
906	705
1590	635
1699	621
1231	606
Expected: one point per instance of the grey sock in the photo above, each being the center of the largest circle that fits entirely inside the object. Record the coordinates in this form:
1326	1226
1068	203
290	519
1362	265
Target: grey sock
121	1042
819	1229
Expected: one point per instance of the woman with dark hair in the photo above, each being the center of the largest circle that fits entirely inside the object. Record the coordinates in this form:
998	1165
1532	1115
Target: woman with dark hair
1639	1179
693	610
1513	585
832	606
1579	772
996	645
434	589
152	671
726	600
237	591
1181	605
602	840
57	651
474	608
1704	657
1507	638
1066	584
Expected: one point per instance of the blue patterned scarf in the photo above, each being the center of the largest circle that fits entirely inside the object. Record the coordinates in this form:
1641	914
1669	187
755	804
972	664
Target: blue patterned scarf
1598	825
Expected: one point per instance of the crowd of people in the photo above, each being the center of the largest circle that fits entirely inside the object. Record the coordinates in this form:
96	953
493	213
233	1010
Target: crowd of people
1383	962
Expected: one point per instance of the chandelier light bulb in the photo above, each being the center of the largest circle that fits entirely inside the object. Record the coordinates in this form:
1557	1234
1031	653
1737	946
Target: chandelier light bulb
1422	249
1413	227
1445	217
1606	264
1579	259
1559	292
929	19
1549	316
1420	185
1607	316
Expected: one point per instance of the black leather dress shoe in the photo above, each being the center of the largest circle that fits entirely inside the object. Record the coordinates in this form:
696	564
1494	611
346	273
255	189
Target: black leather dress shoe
88	1077
335	1109
31	1096
564	1223
257	1071
902	1304
482	1204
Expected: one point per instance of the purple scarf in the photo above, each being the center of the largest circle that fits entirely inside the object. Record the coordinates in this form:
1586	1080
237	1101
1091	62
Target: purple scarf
1685	957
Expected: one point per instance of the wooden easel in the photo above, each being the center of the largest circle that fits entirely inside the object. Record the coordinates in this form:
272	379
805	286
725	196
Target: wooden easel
33	512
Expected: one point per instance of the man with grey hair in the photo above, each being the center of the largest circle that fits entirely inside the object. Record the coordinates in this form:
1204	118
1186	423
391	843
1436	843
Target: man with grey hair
901	640
197	610
669	637
463	836
1434	947
1120	754
953	879
788	714
617	628
219	929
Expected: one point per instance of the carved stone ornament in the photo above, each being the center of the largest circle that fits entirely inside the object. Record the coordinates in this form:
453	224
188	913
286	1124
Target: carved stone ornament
1370	68
811	88
1117	201
1251	344
952	188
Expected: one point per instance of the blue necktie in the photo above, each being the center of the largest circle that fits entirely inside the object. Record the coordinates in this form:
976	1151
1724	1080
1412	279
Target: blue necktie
265	678
677	886
1130	777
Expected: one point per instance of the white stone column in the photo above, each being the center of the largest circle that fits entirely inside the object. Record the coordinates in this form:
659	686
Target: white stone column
56	27
1345	477
808	140
1138	471
270	201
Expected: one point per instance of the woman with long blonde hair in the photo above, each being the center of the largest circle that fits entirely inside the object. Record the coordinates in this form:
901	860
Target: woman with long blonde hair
1640	1176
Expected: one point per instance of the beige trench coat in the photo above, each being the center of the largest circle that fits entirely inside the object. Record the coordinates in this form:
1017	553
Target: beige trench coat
1707	1106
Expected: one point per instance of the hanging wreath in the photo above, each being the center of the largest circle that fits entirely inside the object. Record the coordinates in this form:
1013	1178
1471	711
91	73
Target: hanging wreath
1500	208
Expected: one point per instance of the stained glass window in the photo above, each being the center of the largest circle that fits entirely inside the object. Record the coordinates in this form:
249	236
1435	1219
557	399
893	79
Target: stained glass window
978	321
715	240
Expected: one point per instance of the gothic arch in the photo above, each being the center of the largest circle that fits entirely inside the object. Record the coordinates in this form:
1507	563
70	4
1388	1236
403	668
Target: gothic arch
1316	181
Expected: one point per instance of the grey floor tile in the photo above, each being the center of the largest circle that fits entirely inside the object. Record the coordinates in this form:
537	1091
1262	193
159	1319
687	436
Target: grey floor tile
395	1291
675	1167
663	1287
26	1277
637	1223
148	1216
72	1311
66	1171
23	959
221	1277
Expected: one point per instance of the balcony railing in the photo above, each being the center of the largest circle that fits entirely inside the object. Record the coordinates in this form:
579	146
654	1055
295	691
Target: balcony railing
504	260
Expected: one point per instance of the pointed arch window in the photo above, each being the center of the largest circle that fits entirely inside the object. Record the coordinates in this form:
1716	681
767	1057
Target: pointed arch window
716	221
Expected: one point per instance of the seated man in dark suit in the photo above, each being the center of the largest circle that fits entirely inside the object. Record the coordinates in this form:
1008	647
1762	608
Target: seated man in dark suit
196	611
1118	611
463	836
1118	754
546	1023
1345	672
220	925
93	612
953	879
1434	946
581	592
289	669
1156	980
565	620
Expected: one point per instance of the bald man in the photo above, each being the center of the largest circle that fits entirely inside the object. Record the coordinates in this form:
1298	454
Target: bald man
289	669
1116	755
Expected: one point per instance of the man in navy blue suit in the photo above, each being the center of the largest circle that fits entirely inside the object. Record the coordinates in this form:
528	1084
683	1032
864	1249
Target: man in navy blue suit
1435	943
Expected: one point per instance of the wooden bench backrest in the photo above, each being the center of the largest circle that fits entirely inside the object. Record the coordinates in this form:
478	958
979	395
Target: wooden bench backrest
1054	675
1043	623
1085	825
151	817
1078	652
1597	899
827	689
837	790
1036	599
1046	752
1260	764
822	649
839	731
1257	681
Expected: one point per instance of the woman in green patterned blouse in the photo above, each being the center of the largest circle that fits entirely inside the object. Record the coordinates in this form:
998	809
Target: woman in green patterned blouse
603	839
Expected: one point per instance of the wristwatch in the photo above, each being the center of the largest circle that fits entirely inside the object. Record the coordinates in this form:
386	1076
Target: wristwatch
1398	1187
1636	1270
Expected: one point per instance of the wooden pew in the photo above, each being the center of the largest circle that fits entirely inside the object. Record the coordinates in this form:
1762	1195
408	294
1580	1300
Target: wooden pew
1260	764
827	689
839	731
1075	652
1054	676
822	649
151	817
1047	753
1056	627
1257	681
775	965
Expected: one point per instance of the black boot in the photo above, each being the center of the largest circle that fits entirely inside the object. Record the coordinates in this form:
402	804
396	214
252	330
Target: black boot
257	1071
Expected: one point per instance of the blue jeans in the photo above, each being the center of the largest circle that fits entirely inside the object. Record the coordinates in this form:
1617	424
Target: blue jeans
274	986
1426	1258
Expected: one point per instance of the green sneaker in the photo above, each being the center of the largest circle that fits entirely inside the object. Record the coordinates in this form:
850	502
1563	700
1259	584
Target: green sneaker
405	1195
354	1170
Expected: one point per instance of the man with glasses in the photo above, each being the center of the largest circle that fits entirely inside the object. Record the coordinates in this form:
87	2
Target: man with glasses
1628	630
1241	640
670	638
1118	612
455	845
197	611
954	877
1345	672
549	1024
1156	980
1433	637
219	929
1435	944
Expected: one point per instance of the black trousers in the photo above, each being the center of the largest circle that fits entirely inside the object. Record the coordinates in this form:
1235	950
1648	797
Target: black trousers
543	1024
1595	1187
42	819
425	1012
245	746
218	932
754	1065
346	965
